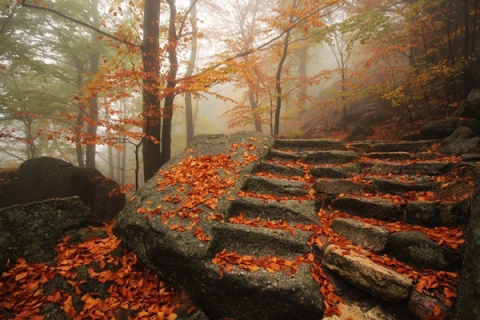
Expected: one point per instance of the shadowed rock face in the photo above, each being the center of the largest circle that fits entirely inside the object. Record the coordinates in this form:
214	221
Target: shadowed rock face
31	231
47	178
242	222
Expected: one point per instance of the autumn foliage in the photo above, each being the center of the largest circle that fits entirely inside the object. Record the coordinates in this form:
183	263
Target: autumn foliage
100	280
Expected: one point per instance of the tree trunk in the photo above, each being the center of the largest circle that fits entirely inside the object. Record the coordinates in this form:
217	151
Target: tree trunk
278	85
151	89
191	66
171	83
93	102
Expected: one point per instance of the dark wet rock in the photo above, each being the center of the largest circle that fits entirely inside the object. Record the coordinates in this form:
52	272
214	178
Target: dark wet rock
417	249
47	178
31	231
368	236
463	140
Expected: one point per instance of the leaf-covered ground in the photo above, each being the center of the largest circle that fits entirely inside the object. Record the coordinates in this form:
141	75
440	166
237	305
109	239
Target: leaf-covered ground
99	279
95	277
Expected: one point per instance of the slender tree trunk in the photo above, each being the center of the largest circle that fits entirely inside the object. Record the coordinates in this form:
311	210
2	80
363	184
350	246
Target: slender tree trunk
189	72
253	100
79	123
151	89
93	102
278	85
302	72
171	83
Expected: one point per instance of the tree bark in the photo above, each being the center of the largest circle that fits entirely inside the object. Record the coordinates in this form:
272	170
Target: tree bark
171	84
189	72
278	85
93	101
151	89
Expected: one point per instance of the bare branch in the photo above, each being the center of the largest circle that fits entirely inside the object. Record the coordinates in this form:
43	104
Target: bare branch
86	25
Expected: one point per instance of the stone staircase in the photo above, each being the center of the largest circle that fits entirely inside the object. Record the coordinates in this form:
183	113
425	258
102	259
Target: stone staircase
378	218
306	229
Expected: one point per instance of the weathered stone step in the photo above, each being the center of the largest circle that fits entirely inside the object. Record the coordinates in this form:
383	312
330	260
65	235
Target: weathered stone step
259	241
400	146
431	168
411	247
337	171
292	211
280	187
289	171
359	270
392	156
314	157
375	185
275	295
308	144
428	213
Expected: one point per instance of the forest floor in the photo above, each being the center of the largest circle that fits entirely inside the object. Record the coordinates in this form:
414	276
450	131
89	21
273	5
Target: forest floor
101	279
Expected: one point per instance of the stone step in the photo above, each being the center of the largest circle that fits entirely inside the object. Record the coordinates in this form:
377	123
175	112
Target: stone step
308	144
373	185
292	211
414	248
314	157
289	171
259	241
431	168
263	295
358	269
279	187
427	213
400	146
336	171
392	156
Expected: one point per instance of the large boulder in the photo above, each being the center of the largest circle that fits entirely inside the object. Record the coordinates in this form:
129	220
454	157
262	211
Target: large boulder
471	107
467	305
441	129
461	141
31	231
47	178
177	225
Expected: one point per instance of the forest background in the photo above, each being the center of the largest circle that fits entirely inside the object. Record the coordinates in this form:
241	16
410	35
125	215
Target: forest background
123	85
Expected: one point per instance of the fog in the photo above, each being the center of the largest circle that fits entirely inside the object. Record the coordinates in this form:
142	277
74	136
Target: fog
344	59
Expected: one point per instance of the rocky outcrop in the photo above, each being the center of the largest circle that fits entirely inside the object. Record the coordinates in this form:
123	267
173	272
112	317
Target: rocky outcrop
31	231
249	227
468	307
179	228
47	178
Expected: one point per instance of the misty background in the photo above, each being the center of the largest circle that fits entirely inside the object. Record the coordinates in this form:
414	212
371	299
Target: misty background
403	61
